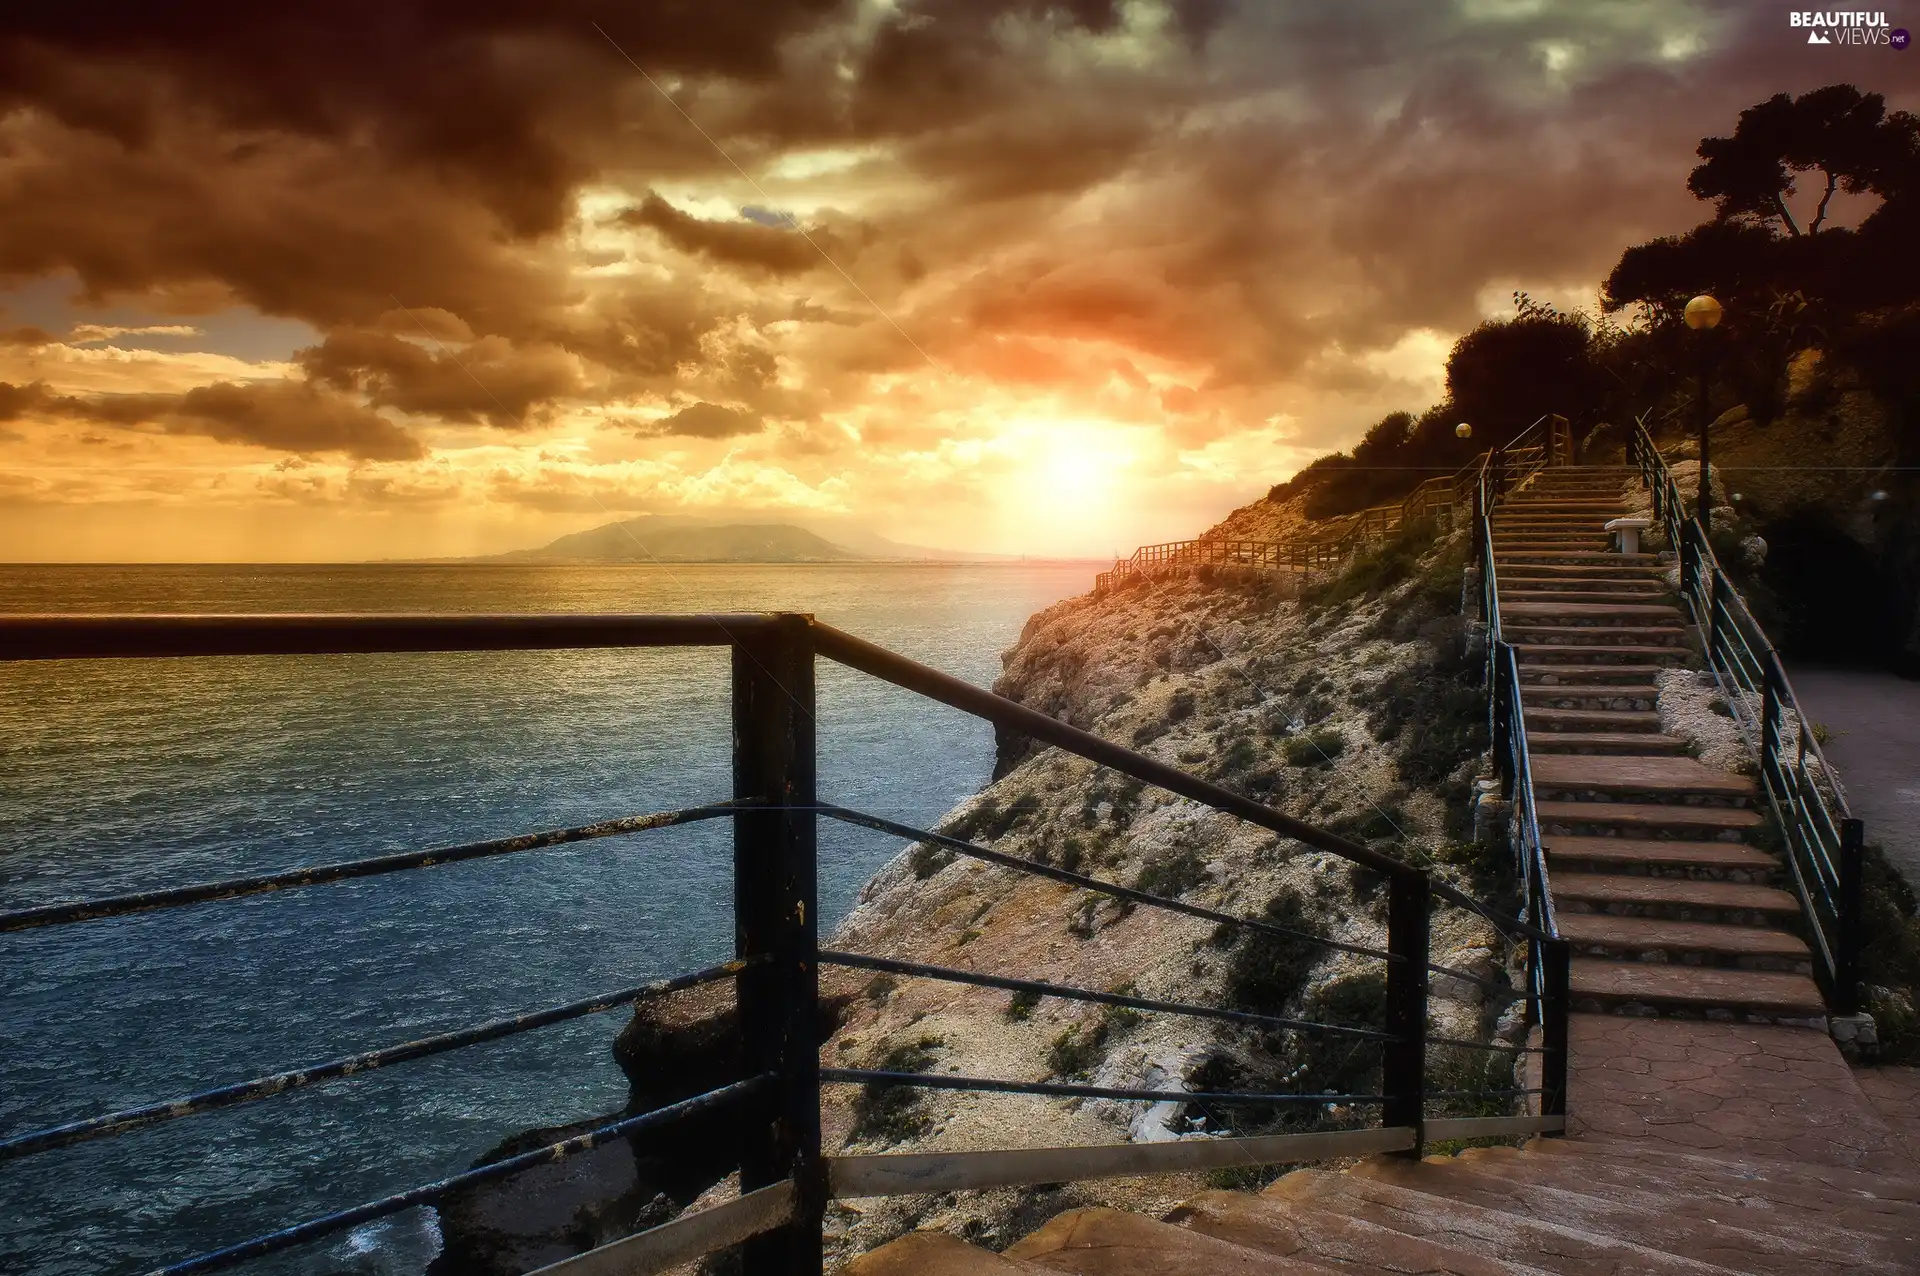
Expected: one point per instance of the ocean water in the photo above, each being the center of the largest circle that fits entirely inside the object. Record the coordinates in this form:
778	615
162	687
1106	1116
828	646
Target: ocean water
126	775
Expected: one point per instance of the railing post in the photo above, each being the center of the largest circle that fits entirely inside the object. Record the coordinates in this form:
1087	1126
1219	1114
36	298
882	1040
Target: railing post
775	914
1846	953
1403	1066
1770	727
1556	959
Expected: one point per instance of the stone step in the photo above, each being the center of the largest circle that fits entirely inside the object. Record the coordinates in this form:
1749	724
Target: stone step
1624	653
934	1254
1634	596
1625	576
1109	1242
1662	1224
1502	559
1521	546
1639	987
1542	674
1542	1243
1543	721
1777	1176
1658	821
1598	743
1680	780
1746	1189
1676	899
1596	615
1679	943
1633	635
1276	1227
1633	856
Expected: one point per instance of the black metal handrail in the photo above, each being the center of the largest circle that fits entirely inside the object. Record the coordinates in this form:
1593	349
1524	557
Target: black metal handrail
1549	957
774	810
1824	841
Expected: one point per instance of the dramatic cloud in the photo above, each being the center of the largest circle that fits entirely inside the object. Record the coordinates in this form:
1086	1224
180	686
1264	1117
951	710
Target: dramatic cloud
288	416
1121	263
703	421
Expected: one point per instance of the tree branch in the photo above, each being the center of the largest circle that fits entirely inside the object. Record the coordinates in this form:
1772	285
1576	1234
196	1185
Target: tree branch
1820	214
1780	204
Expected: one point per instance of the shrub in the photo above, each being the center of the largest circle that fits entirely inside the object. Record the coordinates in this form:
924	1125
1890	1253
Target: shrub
1266	970
888	1111
1313	748
1079	1050
1890	955
1021	1005
1172	872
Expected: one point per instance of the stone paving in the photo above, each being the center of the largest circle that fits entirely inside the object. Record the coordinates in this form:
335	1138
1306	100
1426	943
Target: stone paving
1733	1090
1895	1094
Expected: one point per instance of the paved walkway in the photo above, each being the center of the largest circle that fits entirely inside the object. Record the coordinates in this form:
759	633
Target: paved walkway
1729	1090
1875	720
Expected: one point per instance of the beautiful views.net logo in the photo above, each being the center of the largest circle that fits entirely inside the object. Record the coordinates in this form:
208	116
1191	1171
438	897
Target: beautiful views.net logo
1842	27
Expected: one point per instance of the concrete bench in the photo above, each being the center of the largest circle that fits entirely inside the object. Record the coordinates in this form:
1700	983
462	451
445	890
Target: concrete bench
1628	532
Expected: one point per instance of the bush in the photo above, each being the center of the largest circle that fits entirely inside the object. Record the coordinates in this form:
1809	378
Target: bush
888	1111
1172	872
1079	1050
1266	970
1313	748
1890	955
1021	1005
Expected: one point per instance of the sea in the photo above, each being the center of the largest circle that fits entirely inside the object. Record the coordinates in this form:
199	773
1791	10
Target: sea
126	775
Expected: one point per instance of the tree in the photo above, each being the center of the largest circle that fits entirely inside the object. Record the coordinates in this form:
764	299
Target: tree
1839	132
1505	374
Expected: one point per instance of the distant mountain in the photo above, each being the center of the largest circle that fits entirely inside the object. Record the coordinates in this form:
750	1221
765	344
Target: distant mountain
744	536
644	540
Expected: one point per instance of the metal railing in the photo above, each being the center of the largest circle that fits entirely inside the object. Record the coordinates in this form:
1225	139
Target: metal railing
786	1178
1549	958
1437	501
1823	841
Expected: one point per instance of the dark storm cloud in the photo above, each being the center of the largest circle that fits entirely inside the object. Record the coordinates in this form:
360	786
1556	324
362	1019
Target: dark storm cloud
287	416
489	379
1254	194
751	244
703	421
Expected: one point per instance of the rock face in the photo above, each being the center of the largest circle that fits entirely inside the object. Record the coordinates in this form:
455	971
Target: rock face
1352	707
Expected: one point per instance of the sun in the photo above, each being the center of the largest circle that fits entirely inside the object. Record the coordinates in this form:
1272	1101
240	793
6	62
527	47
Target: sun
1069	474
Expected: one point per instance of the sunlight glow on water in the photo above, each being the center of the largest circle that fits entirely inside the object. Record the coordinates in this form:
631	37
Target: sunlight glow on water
127	775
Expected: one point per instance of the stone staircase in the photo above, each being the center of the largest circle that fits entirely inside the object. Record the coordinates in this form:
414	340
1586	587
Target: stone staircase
1669	908
1565	1206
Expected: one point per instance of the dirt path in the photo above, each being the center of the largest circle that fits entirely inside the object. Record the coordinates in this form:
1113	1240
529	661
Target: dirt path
1875	721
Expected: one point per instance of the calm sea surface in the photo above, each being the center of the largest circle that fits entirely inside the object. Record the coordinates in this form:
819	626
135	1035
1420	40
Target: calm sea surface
126	775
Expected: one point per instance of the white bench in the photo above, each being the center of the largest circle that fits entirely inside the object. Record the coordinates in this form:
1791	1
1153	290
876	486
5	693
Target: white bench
1628	531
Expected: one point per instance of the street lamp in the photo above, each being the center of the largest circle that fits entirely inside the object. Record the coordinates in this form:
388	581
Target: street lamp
1463	431
1703	315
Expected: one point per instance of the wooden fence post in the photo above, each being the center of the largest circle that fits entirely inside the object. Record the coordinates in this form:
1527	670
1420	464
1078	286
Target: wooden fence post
1403	1065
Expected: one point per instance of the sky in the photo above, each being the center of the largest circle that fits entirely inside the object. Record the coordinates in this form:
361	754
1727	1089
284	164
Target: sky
413	278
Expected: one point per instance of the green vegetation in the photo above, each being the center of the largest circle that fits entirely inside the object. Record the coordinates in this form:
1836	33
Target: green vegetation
888	1111
1890	957
1021	1005
1313	748
1079	1050
1265	971
1171	872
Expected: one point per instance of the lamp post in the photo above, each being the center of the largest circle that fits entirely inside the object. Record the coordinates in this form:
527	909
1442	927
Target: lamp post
1703	316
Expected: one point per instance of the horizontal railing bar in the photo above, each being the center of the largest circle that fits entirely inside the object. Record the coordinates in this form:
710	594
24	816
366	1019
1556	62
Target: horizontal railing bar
1015	862
911	1173
1481	1094
1452	972
227	1096
85	637
1499	1127
320	874
857	653
947	973
685	1238
1482	1045
427	1194
948	1081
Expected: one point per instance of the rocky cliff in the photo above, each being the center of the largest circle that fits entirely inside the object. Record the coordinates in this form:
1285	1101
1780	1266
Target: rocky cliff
1350	705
